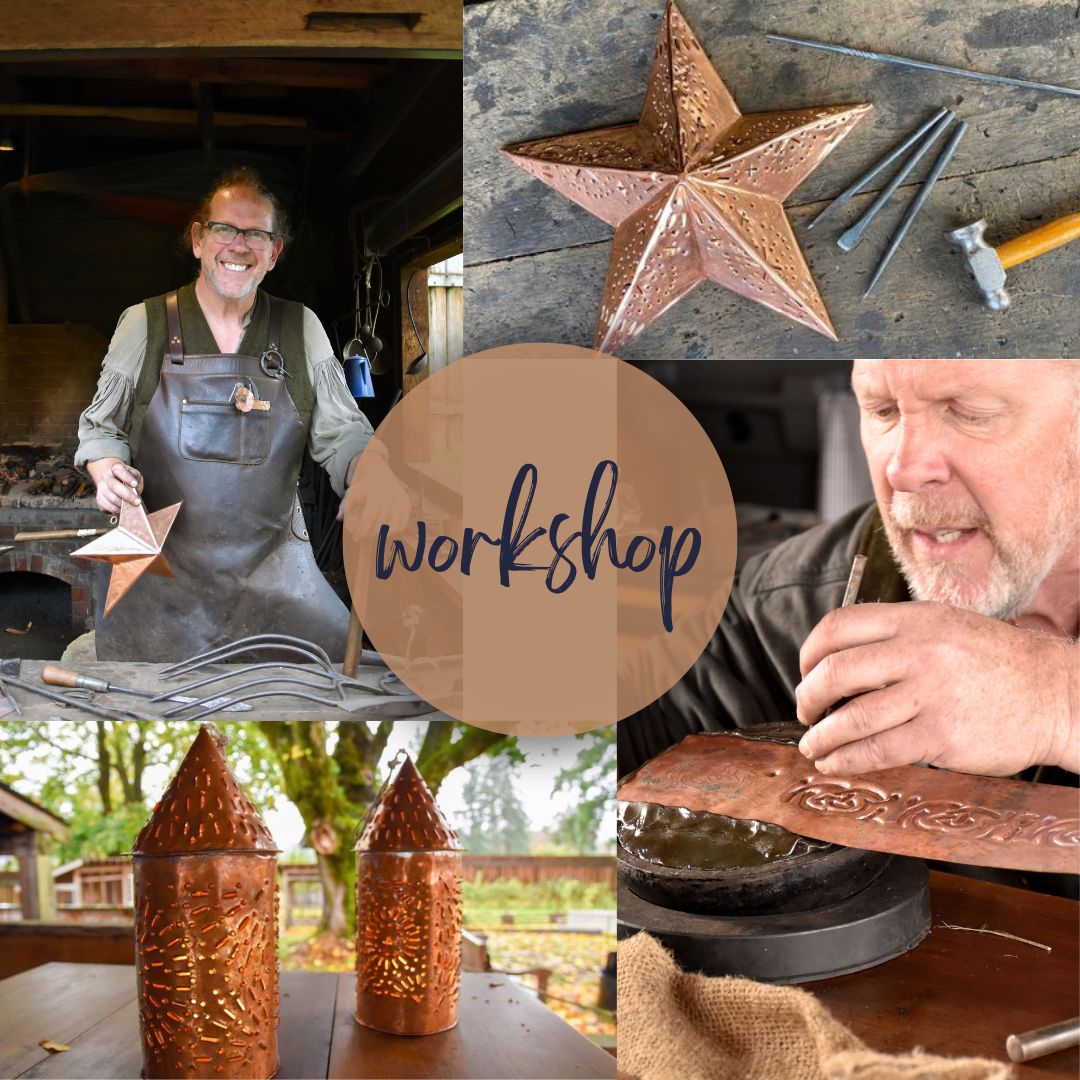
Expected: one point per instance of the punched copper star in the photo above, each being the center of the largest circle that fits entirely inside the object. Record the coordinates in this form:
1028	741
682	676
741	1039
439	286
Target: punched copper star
133	548
695	191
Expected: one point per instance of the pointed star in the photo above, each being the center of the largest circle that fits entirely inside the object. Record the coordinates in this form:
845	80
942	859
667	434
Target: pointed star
695	192
133	548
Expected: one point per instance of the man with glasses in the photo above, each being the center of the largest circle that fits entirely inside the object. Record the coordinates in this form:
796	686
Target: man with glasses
208	396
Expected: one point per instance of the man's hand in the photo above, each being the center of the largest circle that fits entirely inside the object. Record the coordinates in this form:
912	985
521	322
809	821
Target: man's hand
931	683
116	482
384	499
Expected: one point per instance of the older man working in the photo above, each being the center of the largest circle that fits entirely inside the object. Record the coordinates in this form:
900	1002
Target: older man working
976	473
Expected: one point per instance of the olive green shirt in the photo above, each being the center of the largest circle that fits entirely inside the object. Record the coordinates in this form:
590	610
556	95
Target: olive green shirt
338	432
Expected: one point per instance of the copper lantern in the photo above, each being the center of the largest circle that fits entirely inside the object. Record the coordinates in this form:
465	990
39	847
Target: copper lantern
206	926
408	911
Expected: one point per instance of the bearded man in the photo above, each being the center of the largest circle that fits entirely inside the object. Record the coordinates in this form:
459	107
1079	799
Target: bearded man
963	652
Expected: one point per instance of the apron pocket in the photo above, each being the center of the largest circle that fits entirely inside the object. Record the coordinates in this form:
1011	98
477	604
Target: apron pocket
218	431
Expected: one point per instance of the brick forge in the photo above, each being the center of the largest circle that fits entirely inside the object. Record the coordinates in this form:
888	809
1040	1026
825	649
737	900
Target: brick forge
37	513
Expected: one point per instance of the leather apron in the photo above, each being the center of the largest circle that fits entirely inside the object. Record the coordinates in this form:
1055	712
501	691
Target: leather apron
238	547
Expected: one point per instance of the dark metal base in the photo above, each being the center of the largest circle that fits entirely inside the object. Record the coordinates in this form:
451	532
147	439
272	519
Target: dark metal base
884	920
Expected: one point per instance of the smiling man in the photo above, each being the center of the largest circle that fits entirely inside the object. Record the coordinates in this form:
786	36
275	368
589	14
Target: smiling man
963	649
209	395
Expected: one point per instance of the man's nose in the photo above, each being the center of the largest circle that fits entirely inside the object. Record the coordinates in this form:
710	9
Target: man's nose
917	458
239	238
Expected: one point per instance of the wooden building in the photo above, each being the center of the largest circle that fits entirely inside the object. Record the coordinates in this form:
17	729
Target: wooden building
29	832
112	129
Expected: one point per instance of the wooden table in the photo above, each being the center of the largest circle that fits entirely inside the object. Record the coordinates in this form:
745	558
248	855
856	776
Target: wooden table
146	677
503	1031
535	261
961	993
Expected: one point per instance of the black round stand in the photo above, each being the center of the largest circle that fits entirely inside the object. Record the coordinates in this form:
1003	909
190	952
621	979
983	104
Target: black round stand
887	918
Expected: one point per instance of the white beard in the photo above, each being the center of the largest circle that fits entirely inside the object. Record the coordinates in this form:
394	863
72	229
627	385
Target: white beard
1018	567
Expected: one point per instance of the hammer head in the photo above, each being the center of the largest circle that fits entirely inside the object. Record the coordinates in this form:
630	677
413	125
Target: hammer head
983	262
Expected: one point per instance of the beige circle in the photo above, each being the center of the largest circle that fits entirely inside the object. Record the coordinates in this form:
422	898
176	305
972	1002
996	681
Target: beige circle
575	643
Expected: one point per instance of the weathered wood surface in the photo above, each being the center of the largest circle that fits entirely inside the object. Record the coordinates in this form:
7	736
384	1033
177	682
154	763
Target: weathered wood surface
432	26
535	261
958	993
503	1031
147	677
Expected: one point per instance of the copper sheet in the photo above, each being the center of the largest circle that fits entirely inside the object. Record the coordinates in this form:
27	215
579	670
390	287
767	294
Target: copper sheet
206	965
133	548
206	926
927	813
406	817
694	190
408	941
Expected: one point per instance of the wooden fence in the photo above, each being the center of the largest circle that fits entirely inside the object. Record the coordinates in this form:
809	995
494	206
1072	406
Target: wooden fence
536	868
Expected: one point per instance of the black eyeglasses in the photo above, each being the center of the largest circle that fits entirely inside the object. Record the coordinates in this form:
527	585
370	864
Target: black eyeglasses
256	239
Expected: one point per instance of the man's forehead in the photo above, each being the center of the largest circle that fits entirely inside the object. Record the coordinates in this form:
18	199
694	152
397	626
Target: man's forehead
943	379
235	197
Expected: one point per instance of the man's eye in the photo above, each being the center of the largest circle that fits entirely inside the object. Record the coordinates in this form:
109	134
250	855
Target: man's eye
880	412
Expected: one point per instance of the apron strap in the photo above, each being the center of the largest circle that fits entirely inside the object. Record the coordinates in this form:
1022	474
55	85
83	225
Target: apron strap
176	337
273	333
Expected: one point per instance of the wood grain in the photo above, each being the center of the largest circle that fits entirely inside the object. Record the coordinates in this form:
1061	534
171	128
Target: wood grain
503	1031
961	993
536	261
126	24
46	1002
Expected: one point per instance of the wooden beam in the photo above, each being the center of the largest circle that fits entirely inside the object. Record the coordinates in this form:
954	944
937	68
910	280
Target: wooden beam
408	25
31	815
149	115
430	198
315	74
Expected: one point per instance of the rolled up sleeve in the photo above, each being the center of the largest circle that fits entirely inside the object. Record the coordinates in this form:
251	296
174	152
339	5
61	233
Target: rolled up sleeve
103	427
339	430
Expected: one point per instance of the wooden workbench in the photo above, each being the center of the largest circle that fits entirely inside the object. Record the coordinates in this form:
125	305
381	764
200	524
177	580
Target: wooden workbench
503	1031
535	261
147	677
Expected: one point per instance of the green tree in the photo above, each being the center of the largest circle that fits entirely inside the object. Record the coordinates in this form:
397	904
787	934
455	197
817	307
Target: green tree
329	771
494	821
95	775
592	777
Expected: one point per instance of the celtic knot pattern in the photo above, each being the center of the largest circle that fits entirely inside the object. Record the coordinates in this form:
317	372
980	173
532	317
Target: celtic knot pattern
870	803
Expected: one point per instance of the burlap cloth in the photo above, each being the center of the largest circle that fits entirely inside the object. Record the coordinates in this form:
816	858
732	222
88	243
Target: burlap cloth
694	1027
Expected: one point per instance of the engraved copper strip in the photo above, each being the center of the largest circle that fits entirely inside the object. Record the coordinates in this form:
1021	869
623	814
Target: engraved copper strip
926	813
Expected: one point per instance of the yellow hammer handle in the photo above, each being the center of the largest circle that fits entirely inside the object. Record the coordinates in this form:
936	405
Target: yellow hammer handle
1039	241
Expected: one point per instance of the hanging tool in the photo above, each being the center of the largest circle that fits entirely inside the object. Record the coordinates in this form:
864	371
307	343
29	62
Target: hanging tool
988	264
924	65
58	676
880	166
916	205
854	234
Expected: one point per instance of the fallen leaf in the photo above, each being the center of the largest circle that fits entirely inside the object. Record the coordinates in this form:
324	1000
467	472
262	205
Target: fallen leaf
13	630
53	1047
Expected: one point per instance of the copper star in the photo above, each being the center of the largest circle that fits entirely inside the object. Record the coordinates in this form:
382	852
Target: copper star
695	190
133	548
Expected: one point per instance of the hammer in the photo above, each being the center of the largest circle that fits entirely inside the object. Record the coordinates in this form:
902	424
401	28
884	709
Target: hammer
988	264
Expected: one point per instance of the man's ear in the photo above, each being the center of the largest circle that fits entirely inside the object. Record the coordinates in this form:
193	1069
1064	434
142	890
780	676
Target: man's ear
196	239
275	253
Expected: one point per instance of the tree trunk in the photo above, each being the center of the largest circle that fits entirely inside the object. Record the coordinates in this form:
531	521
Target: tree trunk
104	773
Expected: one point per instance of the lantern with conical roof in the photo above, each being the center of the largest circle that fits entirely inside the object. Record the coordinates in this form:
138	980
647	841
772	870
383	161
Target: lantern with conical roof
408	911
206	926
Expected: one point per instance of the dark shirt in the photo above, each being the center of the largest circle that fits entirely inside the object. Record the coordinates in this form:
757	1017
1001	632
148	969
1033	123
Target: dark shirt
748	672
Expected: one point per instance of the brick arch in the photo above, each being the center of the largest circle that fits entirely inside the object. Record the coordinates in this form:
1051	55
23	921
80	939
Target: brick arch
77	577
